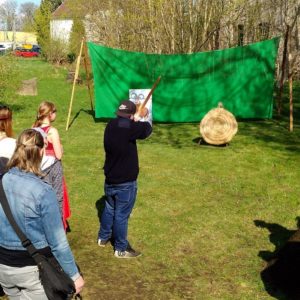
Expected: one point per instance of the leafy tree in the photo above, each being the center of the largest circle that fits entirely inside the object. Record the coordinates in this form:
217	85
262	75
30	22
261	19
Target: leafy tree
42	22
55	4
42	25
77	33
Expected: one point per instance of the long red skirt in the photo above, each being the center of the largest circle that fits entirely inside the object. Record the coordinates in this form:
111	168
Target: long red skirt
66	205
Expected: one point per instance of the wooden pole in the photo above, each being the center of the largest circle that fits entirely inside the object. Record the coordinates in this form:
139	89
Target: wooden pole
87	71
74	83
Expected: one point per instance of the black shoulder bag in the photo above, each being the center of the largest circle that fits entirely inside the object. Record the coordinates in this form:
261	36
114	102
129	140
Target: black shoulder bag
56	283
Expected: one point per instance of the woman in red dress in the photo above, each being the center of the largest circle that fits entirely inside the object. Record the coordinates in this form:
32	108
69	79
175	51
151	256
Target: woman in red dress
51	164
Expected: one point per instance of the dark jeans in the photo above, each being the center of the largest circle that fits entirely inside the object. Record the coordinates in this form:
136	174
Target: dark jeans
120	199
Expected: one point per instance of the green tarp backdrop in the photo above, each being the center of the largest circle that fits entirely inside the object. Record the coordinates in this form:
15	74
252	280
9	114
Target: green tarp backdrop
242	78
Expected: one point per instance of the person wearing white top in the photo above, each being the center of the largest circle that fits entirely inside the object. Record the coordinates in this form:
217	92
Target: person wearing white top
47	160
7	143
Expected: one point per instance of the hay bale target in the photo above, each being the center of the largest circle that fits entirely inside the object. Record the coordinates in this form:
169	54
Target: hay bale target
218	126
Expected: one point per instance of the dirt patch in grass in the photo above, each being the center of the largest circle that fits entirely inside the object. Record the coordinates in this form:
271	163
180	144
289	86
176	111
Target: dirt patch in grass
110	278
28	88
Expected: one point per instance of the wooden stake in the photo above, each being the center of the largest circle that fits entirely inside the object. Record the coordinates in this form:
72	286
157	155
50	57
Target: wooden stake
74	82
87	71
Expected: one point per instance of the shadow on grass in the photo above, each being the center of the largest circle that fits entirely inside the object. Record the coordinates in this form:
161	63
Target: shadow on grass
201	142
281	275
177	135
273	133
185	135
87	111
100	204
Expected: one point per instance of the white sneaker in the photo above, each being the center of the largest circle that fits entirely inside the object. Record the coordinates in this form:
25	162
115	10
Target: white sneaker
102	243
128	253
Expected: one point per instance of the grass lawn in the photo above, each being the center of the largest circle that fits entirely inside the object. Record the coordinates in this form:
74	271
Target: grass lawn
194	220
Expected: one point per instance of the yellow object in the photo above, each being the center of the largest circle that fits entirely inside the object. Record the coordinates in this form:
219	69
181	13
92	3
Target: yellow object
27	46
20	37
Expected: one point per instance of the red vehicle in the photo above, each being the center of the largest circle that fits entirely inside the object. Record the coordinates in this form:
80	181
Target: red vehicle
26	52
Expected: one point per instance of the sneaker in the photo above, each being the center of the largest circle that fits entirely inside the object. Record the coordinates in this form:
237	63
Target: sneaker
128	253
102	243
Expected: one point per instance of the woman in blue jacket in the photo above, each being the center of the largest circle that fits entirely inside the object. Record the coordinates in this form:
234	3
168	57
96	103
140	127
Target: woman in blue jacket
35	209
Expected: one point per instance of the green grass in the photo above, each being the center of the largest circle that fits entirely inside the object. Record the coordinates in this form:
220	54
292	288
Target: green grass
196	205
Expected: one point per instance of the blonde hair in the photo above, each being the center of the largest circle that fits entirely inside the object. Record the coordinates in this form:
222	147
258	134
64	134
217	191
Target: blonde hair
6	120
27	155
44	110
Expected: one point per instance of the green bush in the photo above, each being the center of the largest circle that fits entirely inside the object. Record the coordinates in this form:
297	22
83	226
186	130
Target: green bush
56	52
71	57
8	77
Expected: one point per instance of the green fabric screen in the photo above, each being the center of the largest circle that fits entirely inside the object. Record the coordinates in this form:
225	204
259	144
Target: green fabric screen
241	78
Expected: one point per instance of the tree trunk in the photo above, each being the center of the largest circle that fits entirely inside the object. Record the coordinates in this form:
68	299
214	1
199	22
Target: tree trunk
217	39
291	101
283	68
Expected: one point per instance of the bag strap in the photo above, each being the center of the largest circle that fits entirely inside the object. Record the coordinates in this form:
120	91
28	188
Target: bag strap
26	243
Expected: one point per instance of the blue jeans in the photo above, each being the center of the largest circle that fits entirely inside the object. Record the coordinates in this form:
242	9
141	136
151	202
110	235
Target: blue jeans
120	199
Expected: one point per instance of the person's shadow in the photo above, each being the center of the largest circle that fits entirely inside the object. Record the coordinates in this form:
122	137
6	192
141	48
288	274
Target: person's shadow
100	204
281	274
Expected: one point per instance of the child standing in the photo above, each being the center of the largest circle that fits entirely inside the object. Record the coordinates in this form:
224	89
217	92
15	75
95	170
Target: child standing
7	143
51	164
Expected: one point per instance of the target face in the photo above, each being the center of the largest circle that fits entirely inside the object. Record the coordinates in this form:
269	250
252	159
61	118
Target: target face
138	96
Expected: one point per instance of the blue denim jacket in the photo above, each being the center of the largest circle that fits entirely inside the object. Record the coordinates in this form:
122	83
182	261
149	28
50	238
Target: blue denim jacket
35	209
